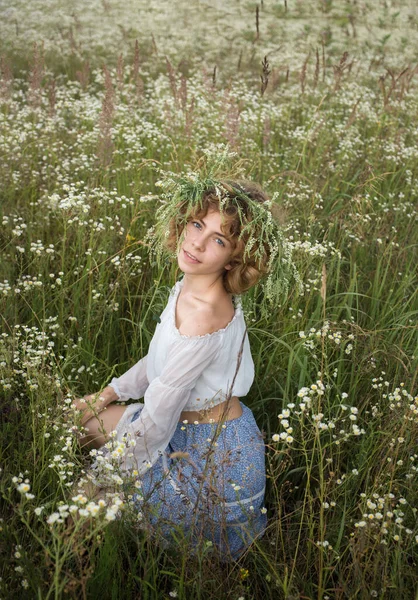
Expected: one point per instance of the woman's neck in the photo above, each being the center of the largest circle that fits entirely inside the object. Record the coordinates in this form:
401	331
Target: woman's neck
203	286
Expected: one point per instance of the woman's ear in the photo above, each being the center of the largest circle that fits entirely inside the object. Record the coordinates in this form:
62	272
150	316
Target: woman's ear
231	265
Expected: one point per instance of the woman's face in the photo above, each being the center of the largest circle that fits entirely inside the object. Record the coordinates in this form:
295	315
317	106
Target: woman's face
204	248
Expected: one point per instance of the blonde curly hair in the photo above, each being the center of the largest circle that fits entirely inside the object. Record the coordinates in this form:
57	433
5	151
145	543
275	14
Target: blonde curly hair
246	270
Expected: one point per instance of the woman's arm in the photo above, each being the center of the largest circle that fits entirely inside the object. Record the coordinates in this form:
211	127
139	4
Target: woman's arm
167	395
93	404
132	384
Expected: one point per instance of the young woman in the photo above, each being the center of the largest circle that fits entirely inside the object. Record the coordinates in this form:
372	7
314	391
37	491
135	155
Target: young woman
193	446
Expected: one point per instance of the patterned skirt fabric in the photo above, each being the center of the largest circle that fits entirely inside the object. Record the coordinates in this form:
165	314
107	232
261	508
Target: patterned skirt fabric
208	485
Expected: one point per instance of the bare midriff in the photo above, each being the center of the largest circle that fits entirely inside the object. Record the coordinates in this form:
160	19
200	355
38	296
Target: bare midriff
225	411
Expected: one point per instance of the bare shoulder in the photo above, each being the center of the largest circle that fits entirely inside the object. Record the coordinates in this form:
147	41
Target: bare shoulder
200	321
207	318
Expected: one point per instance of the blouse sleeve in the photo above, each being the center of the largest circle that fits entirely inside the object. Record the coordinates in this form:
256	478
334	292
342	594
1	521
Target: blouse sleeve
167	395
133	383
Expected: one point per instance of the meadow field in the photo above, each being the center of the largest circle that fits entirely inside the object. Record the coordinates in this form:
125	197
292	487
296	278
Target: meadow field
320	99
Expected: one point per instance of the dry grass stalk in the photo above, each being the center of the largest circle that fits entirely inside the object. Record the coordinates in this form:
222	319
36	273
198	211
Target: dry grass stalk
105	147
404	82
257	22
154	44
6	82
339	70
274	80
120	72
265	75
137	79
383	88
352	20
75	48
52	97
352	116
232	120
83	76
403	78
189	119
214	77
169	118
183	93
324	283
208	79
303	73
139	88
135	66
266	132
36	75
317	67
172	79
406	79
239	60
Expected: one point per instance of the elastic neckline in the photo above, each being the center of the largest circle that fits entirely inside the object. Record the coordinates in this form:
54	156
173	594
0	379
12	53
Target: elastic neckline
176	291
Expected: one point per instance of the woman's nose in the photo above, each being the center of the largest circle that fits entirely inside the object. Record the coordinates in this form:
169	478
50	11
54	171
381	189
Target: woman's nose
198	243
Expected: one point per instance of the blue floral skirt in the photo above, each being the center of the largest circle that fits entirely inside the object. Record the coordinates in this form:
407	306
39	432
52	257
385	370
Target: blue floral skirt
208	485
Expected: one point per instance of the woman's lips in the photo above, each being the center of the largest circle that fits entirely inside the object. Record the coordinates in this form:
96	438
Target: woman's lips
190	259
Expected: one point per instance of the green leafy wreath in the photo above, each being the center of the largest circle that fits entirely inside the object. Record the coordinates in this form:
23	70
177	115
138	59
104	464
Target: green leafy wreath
182	195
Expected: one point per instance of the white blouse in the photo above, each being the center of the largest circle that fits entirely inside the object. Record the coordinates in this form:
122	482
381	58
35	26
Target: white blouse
182	373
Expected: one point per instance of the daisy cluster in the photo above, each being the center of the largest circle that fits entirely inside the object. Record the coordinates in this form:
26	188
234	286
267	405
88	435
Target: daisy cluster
75	199
401	403
110	460
23	486
24	352
20	564
315	249
313	338
305	414
103	510
384	516
400	398
27	356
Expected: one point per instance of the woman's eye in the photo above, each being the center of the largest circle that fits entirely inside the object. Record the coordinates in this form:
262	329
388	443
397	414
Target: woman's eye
198	226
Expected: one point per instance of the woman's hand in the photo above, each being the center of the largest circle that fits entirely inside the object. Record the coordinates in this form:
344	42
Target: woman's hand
93	404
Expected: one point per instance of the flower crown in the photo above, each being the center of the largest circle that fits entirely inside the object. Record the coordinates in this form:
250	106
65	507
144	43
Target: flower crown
183	195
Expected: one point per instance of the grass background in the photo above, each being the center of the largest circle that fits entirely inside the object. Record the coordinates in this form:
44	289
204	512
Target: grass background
92	99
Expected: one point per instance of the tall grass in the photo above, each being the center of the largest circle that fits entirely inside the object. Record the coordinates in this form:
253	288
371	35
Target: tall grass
336	367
